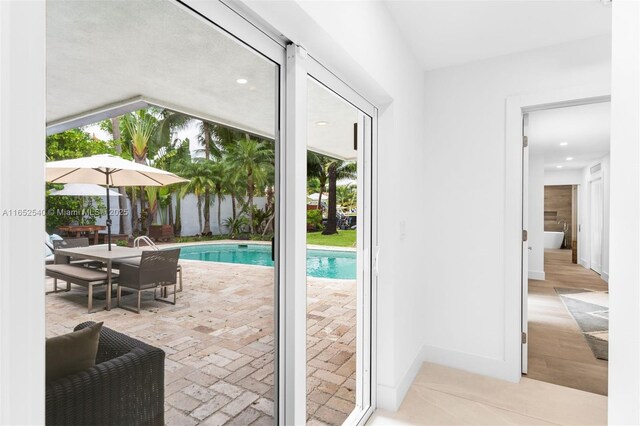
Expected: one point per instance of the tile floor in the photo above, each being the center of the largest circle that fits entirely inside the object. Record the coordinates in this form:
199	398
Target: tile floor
445	396
219	343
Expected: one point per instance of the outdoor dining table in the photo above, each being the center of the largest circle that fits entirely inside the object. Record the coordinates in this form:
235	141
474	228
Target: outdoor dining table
102	253
78	230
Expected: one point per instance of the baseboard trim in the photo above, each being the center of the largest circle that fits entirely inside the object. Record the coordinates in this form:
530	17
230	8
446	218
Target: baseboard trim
605	276
583	262
390	397
486	366
536	275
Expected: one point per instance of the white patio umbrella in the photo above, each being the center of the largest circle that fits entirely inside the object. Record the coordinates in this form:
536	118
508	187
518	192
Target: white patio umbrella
108	170
315	196
83	190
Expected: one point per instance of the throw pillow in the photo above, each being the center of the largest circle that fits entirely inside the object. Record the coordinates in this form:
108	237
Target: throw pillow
72	352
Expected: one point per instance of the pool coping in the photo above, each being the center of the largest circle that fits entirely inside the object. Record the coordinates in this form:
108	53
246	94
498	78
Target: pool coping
265	243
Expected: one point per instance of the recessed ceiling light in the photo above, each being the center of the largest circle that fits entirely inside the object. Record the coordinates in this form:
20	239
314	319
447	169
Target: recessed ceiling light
564	143
569	158
321	123
558	167
242	81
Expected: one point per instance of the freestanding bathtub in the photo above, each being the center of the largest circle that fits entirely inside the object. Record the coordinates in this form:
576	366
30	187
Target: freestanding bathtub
553	240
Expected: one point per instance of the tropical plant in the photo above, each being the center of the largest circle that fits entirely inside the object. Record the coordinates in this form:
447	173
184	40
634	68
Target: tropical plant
255	160
329	170
200	174
261	219
140	126
218	173
314	220
74	143
346	196
235	226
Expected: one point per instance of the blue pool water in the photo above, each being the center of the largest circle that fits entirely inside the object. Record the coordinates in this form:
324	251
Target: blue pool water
320	263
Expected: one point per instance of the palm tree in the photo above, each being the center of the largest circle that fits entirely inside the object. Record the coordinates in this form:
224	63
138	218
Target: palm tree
200	175
335	169
255	160
218	172
316	169
209	147
174	158
346	196
113	126
140	126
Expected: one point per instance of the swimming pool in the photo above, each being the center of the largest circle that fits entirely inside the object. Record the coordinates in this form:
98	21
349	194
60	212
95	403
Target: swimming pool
320	263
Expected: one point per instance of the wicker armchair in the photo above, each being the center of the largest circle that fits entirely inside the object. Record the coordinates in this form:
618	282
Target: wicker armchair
157	269
125	387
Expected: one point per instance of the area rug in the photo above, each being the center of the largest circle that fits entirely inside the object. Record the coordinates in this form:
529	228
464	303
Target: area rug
590	309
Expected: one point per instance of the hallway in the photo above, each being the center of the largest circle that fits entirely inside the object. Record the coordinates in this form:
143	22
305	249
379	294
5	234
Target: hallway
558	351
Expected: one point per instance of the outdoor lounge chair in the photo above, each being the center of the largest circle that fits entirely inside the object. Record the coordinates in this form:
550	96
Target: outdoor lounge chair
125	387
157	269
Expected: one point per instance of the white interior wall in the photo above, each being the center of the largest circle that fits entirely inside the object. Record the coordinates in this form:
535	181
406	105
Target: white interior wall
624	298
22	150
536	217
464	311
563	177
360	42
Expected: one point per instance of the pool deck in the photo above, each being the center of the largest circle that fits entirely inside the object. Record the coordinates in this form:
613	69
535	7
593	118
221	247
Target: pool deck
219	342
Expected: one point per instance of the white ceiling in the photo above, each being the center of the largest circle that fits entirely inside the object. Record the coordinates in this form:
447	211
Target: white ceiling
335	137
585	128
103	52
445	33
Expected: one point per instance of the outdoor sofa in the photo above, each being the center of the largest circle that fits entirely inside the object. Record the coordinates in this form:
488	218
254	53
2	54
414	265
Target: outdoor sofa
125	387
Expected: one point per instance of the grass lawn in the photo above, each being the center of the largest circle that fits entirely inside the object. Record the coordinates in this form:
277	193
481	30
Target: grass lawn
341	239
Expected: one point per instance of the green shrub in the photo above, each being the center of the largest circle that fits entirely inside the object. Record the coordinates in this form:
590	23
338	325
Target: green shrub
314	220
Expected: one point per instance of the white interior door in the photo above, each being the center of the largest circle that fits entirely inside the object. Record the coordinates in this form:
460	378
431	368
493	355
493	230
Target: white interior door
525	243
595	225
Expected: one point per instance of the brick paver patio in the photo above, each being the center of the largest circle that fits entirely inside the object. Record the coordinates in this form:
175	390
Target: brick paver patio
219	343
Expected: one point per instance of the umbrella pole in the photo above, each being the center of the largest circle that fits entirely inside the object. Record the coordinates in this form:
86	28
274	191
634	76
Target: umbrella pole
108	212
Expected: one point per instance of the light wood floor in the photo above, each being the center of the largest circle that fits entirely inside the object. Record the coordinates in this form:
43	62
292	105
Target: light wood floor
558	353
444	396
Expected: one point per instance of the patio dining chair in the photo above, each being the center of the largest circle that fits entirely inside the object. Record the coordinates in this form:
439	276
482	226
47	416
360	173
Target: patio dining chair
60	259
69	243
157	270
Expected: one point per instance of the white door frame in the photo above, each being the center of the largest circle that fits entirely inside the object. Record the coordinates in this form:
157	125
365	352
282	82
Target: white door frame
525	243
22	151
516	106
592	179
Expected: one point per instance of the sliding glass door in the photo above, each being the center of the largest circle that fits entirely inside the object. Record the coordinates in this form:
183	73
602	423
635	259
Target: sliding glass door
157	83
339	284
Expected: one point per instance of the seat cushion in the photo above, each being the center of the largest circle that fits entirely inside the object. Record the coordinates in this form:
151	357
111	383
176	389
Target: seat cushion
79	272
72	352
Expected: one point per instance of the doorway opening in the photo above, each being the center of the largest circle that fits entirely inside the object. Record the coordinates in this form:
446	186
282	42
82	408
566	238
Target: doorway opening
565	253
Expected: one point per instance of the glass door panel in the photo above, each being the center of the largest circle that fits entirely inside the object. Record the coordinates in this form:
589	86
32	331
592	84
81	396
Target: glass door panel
336	256
154	82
